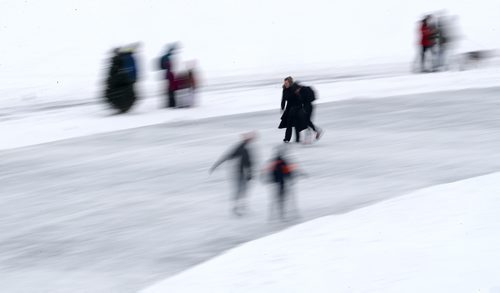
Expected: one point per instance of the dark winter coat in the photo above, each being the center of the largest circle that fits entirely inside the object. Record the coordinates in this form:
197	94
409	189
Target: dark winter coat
166	64
442	32
120	92
294	115
129	66
307	96
244	165
123	70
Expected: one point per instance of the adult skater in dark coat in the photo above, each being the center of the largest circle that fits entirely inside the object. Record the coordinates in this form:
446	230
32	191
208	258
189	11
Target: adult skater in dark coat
293	115
243	170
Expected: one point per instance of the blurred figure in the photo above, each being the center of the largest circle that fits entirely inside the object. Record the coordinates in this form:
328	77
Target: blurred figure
293	113
186	83
181	85
442	42
243	173
281	172
427	43
446	37
120	92
474	58
166	64
308	96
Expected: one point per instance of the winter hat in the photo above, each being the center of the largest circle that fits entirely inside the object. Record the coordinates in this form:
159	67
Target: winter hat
249	135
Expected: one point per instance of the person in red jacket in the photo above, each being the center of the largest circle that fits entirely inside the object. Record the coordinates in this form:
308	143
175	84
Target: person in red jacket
427	41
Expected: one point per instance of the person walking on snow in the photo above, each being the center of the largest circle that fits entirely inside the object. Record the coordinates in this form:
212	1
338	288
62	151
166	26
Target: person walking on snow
292	108
308	96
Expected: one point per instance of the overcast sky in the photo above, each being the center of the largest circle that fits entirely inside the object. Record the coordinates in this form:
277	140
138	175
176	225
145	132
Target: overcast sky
227	35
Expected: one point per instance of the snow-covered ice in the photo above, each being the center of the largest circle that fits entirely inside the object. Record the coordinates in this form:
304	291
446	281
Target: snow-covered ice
439	239
118	211
93	202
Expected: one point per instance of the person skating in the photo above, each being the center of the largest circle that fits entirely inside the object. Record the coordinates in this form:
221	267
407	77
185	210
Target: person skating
281	172
243	172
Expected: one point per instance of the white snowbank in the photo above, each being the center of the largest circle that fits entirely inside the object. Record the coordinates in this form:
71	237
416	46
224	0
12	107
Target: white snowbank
439	239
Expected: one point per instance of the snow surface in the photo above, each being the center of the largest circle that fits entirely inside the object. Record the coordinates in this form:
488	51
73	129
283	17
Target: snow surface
119	211
439	239
105	206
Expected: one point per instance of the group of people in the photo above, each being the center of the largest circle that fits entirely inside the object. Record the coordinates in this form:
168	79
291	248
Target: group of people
279	171
297	107
435	40
120	91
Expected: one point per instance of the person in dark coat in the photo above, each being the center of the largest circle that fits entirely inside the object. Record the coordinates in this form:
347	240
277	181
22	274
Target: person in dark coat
293	112
244	172
120	92
308	96
445	39
166	64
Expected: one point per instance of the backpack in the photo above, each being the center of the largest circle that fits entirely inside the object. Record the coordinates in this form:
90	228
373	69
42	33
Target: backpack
309	94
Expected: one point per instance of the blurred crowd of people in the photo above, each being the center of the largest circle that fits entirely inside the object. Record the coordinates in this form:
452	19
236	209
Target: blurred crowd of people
122	76
296	109
297	112
436	39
